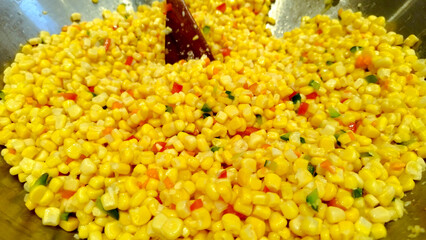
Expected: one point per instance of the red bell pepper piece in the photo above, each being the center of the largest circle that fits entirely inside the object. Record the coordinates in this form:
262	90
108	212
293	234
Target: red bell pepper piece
69	96
292	95
176	88
131	137
107	44
222	7
223	174
230	209
303	108
312	95
158	147
353	126
248	131
196	204
225	51
66	193
129	60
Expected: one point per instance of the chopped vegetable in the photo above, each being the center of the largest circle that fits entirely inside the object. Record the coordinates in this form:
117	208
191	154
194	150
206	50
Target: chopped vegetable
169	109
158	147
205	115
355	48
337	135
168	183
129	61
64	216
112	213
302	140
206	30
69	96
311	169
363	61
206	108
327	166
66	194
333	112
371	79
407	143
230	96
221	7
259	119
313	200
42	180
266	189
2	94
225	51
357	193
153	173
353	126
248	131
314	84
365	154
270	164
117	105
223	174
303	108
215	148
176	88
312	95
107	44
329	63
198	203
296	98
285	137
131	137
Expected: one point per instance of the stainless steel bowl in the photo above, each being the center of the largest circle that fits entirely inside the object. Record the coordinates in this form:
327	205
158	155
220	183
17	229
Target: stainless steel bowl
23	19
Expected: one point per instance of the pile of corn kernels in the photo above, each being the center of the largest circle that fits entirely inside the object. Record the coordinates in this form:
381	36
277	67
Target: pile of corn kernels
315	135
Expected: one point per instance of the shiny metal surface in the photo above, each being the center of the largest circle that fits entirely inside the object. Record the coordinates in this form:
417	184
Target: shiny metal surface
23	19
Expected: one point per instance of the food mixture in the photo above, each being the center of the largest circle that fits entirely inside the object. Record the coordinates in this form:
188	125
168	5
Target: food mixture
315	135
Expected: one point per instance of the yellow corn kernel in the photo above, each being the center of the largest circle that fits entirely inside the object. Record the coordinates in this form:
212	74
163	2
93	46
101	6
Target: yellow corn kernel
51	216
347	229
243	208
411	40
231	223
259	226
311	226
248	232
140	215
70	225
262	212
272	181
172	228
277	222
202	217
379	215
363	226
334	214
370	131
378	230
289	209
109	201
286	190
